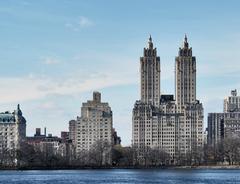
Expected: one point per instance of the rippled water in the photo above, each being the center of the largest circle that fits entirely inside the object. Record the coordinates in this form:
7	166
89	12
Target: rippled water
121	176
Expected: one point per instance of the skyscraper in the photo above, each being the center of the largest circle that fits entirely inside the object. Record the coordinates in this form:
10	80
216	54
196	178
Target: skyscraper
185	75
145	118
185	93
150	75
158	120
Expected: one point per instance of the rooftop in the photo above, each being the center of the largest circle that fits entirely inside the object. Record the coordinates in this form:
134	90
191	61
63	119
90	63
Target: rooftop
7	117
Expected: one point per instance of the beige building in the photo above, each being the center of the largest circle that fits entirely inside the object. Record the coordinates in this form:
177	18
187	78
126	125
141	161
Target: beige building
12	129
150	75
185	76
94	124
158	120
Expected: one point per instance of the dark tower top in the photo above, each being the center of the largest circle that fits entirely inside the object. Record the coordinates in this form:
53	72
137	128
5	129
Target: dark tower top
185	50
150	51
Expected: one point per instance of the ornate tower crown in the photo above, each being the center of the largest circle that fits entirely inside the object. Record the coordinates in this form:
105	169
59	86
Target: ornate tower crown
185	50
149	51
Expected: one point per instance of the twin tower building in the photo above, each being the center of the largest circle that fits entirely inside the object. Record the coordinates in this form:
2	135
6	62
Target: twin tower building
161	121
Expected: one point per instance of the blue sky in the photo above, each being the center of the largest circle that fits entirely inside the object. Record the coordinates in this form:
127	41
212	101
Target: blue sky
53	54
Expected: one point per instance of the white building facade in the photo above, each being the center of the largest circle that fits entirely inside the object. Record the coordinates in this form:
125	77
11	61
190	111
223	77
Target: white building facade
158	120
94	124
12	129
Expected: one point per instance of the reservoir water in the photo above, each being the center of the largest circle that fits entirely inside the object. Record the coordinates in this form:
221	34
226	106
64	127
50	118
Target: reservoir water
111	176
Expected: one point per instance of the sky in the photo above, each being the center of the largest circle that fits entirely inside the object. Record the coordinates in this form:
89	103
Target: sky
55	53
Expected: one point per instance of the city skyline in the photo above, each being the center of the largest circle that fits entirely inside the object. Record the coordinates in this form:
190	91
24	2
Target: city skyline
55	55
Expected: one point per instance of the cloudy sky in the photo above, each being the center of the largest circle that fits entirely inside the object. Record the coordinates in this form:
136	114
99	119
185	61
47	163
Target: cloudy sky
54	53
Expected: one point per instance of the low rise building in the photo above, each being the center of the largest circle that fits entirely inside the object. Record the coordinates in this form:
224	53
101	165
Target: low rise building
52	145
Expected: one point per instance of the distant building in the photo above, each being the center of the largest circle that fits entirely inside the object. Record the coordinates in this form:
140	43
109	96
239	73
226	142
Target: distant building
65	136
94	124
232	124
72	131
116	138
232	103
51	145
39	138
12	129
39	133
215	128
205	136
226	124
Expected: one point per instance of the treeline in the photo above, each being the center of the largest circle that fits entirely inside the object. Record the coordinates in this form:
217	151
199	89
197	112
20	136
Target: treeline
103	155
225	152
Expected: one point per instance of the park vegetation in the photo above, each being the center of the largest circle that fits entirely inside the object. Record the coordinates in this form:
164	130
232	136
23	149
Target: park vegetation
104	155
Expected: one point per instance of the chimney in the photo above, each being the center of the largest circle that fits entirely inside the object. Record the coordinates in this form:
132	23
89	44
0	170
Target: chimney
38	132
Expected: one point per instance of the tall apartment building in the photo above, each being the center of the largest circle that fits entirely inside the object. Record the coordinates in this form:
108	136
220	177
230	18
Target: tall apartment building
226	124
150	75
185	76
94	124
185	92
158	120
12	129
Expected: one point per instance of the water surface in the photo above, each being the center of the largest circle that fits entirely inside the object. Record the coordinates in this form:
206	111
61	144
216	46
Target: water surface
168	176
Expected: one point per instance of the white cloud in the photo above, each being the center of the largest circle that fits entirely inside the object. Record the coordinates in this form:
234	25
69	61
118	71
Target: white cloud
82	22
33	87
50	61
47	105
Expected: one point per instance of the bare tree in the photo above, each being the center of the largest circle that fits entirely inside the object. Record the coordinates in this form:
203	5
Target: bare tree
100	153
232	150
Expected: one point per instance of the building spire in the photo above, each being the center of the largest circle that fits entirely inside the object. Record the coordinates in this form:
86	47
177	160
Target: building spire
185	44
150	43
19	112
150	38
185	38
